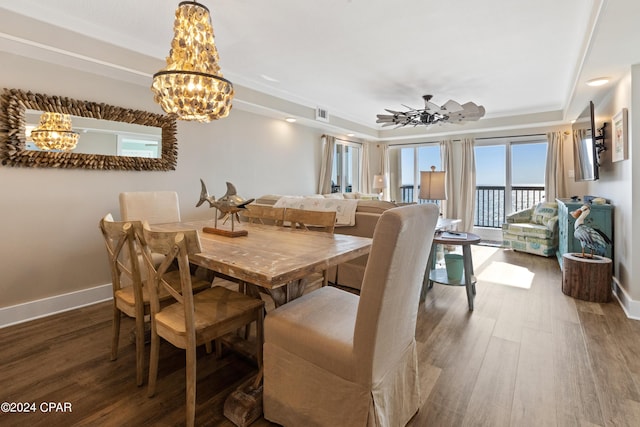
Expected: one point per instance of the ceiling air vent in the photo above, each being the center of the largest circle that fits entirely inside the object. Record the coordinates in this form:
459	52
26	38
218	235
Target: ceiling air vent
322	115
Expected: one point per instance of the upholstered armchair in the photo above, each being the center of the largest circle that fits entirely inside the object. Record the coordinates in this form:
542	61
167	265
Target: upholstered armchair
533	230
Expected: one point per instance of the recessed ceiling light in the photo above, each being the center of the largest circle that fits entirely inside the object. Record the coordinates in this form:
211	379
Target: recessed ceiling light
598	81
290	119
351	134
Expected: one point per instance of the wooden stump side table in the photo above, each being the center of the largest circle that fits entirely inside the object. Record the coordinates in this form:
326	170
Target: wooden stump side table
439	275
588	279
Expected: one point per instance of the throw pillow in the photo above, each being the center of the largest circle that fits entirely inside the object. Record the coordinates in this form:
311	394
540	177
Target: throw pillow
333	196
543	212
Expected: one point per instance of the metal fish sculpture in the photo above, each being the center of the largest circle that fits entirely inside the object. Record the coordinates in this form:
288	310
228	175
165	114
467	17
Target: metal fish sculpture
228	205
590	238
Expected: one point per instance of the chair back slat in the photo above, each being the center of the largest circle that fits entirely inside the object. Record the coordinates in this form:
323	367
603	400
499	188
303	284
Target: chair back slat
317	220
119	235
175	246
259	213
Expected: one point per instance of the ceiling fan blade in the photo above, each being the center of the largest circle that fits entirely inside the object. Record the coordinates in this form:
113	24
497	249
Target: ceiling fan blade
410	108
470	107
392	112
452	106
431	106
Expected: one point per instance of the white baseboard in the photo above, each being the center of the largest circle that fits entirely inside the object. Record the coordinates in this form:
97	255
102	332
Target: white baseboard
32	310
47	306
629	305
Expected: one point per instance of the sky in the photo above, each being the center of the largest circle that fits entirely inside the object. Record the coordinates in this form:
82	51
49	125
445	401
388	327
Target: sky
528	163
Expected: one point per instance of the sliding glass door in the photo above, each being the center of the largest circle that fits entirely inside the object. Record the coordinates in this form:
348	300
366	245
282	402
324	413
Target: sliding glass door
345	176
509	177
413	160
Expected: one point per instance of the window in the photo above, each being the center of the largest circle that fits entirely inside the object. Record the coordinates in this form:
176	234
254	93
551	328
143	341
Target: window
412	160
139	146
509	177
345	174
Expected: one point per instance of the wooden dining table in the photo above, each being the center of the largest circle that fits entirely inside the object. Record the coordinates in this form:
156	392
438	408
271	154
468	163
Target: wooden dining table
276	259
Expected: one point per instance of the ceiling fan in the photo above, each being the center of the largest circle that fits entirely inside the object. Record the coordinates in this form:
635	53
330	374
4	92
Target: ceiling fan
451	112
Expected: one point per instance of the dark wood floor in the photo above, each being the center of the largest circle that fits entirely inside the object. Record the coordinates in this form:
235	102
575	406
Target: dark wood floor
527	356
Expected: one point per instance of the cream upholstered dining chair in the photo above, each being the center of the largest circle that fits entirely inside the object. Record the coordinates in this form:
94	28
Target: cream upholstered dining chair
312	220
155	207
332	358
193	319
130	294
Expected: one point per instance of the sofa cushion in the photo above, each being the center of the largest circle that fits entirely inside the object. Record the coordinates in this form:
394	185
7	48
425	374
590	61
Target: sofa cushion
374	206
268	199
544	212
529	229
533	245
345	209
367	196
333	196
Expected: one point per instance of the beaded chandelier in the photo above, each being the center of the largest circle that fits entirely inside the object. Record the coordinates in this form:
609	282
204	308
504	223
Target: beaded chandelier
54	133
191	86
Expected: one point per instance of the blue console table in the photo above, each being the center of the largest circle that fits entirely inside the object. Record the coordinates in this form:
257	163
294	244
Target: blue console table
601	218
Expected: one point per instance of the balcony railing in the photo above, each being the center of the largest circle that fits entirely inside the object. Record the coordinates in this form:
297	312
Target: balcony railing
337	188
490	202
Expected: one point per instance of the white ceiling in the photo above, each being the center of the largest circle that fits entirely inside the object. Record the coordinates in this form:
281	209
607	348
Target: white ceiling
525	61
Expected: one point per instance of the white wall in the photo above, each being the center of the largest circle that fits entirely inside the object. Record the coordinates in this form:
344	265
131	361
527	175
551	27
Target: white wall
615	184
50	239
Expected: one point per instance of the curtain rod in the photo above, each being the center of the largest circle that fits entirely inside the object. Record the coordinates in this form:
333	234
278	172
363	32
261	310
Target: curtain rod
477	139
341	139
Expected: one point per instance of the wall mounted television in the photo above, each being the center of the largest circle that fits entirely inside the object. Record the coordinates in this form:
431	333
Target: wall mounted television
587	146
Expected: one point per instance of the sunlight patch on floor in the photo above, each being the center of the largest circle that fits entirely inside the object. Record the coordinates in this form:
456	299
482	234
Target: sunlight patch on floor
481	254
503	273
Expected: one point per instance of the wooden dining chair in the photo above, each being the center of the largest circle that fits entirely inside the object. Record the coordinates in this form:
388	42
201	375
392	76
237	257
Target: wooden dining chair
353	360
193	319
262	214
312	220
130	293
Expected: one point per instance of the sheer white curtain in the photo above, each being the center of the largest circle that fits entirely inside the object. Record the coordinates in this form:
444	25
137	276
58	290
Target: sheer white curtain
365	169
459	162
326	169
554	176
447	166
385	171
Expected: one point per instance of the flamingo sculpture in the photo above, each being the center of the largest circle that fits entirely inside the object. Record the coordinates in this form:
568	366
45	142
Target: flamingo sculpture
590	238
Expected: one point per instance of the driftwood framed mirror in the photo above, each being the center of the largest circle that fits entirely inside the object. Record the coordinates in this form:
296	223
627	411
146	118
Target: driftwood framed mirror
17	107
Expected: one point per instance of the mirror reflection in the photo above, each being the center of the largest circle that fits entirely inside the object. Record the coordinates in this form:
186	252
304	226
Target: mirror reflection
105	137
143	141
